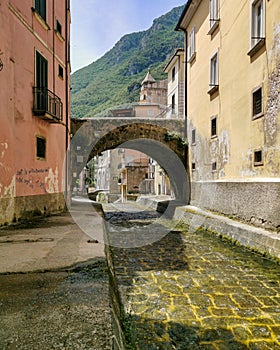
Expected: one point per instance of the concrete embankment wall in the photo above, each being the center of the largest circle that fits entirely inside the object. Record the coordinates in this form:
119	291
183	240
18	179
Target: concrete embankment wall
255	202
119	316
256	238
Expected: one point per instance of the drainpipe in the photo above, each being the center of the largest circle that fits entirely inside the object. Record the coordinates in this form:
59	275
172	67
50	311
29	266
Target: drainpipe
186	112
53	50
67	8
186	85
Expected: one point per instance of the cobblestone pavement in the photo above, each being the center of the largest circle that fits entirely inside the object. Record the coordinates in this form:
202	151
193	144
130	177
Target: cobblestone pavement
193	290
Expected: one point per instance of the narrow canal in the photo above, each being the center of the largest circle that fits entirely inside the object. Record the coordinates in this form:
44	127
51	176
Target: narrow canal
189	290
169	288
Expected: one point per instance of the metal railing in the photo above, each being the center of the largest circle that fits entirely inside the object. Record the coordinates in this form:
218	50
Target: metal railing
46	102
168	112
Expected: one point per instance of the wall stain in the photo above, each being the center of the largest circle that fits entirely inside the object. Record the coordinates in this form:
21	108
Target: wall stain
273	108
51	181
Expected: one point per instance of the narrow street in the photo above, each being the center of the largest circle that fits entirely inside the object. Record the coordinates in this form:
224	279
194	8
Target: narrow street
56	310
54	285
192	290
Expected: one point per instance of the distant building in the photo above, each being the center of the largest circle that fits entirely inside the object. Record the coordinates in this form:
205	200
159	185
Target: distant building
175	69
133	169
34	108
233	109
153	91
153	98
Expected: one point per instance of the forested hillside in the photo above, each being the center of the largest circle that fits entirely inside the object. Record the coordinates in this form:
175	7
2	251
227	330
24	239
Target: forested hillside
115	78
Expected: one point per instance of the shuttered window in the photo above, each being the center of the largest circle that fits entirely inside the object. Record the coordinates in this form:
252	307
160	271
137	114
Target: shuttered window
213	126
257	103
41	9
40	147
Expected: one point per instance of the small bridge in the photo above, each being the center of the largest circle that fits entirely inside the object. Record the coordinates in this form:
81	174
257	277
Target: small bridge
161	139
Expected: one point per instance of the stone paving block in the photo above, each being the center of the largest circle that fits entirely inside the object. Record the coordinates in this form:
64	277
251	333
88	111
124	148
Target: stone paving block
263	345
245	300
193	290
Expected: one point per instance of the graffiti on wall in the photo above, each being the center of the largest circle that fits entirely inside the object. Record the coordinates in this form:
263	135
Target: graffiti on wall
44	179
30	178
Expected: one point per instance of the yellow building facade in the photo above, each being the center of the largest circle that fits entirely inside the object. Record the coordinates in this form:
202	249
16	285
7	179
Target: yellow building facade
233	106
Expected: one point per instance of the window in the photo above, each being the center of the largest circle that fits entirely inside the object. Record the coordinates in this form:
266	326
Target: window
257	22
213	126
193	166
173	103
214	166
258	158
46	104
41	82
40	8
60	71
41	71
58	27
192	44
193	136
214	12
257	101
173	73
40	147
214	77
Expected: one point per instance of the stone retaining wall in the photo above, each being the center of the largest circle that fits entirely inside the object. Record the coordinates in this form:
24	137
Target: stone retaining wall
255	202
15	209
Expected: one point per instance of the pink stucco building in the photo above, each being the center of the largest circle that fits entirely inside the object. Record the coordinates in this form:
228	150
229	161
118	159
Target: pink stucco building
34	106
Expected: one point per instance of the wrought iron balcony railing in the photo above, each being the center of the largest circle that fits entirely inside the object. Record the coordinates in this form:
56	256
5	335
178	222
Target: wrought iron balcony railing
47	104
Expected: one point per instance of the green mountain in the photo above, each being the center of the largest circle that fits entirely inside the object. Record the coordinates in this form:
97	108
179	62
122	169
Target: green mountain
115	78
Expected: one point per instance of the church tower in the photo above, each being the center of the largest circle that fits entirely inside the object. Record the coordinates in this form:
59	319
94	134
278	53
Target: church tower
153	91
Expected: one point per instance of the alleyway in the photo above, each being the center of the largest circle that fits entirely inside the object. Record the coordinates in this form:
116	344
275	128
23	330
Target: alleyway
191	290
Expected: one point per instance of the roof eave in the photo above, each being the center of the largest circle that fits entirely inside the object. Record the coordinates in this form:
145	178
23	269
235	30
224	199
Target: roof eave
170	62
187	14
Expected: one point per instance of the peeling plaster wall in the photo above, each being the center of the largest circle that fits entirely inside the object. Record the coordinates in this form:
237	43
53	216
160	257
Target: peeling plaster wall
29	185
238	186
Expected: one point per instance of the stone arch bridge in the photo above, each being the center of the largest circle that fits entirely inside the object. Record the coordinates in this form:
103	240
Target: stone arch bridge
161	139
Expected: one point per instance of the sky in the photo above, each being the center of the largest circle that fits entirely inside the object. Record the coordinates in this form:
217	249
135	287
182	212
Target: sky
97	25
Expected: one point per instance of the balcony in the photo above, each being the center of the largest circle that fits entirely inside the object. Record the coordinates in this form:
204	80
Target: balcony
47	105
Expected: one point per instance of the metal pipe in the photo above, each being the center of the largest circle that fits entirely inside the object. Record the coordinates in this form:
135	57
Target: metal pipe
67	65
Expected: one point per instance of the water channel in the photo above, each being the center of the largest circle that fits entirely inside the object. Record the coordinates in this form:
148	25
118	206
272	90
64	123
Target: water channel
190	289
182	289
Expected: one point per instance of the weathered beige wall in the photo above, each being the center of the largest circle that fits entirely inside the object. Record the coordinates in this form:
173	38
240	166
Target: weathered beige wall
177	86
238	135
239	75
147	110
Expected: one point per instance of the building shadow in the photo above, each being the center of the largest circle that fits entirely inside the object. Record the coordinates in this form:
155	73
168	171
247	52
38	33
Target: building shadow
149	334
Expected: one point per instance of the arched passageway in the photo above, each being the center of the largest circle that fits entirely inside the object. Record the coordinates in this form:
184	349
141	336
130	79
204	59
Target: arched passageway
162	140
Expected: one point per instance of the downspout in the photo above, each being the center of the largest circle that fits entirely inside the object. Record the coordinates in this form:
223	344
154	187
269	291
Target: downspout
53	58
186	113
179	70
186	84
67	64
